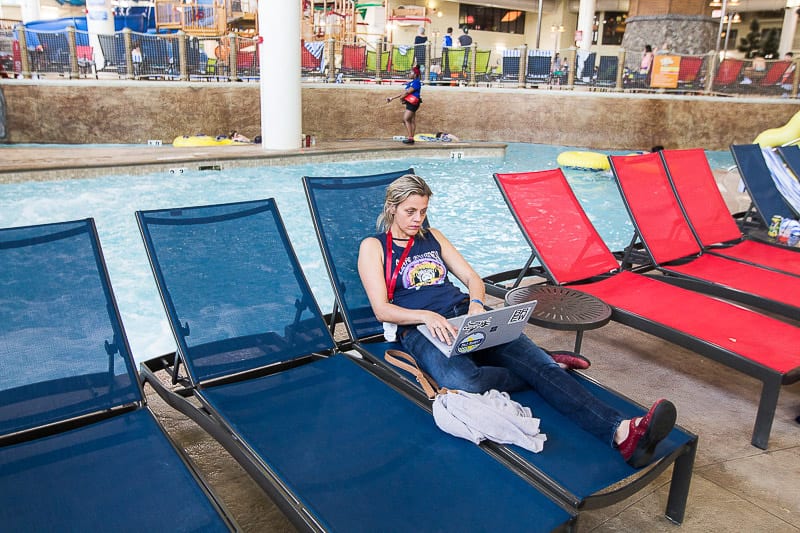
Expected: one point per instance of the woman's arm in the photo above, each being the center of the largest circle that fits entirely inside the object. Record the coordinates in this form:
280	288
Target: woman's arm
408	91
371	271
463	271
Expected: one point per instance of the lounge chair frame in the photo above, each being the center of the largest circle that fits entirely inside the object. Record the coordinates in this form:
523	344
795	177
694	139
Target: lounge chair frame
765	198
789	186
733	290
103	418
771	378
419	446
365	335
728	73
711	223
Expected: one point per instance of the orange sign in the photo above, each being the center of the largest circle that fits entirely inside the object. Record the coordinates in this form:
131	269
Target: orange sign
665	71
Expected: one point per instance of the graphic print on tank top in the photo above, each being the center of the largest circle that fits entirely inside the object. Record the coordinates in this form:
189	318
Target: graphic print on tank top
424	269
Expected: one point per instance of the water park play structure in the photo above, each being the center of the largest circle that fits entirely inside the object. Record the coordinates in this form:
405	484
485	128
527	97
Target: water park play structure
346	20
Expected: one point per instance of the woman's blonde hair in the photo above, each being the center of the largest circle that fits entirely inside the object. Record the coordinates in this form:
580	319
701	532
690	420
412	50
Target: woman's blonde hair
396	193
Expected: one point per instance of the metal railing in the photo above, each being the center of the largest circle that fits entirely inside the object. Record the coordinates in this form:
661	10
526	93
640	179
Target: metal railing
179	56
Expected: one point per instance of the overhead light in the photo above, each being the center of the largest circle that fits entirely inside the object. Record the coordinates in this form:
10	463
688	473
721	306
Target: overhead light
511	16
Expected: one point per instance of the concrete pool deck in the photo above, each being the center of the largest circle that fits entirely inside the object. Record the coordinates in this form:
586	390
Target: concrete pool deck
46	163
736	487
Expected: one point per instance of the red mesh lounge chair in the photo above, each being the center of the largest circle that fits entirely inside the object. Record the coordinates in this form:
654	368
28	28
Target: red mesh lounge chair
710	220
574	254
86	62
673	249
728	73
689	71
246	64
775	74
354	60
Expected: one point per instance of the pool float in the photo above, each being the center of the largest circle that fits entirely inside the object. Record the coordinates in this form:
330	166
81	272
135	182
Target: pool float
426	137
789	133
201	140
431	137
583	160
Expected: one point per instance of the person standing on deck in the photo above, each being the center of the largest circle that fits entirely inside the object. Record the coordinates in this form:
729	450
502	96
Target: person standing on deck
412	100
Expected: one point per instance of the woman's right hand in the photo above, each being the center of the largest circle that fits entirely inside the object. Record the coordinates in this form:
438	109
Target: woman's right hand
440	327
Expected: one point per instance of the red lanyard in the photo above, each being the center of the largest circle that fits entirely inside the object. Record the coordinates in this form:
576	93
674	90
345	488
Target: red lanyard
391	275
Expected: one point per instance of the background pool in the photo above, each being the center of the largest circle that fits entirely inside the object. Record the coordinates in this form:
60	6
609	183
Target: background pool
466	206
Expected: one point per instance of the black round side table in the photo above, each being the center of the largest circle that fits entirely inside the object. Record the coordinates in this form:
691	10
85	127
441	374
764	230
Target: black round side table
562	309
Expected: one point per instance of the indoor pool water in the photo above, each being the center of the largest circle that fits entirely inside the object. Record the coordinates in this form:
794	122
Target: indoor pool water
466	206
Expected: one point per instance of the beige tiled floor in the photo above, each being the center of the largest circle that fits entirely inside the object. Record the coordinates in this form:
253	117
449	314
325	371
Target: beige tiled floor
736	487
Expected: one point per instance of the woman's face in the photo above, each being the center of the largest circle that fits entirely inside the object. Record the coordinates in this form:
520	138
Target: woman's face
409	216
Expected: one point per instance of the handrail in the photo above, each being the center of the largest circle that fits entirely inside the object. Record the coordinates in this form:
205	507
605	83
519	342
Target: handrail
218	57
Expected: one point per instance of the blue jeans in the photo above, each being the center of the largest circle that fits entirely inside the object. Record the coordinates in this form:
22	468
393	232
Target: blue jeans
511	367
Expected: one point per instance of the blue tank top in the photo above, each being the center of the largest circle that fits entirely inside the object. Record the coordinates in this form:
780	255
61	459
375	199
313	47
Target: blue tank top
422	282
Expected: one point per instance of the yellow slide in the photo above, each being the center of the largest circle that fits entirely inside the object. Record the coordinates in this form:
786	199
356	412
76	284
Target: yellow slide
789	133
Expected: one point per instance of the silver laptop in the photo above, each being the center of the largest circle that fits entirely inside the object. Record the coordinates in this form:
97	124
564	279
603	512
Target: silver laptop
476	332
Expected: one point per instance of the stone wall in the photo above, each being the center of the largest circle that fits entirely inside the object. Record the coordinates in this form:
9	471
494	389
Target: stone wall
81	112
681	34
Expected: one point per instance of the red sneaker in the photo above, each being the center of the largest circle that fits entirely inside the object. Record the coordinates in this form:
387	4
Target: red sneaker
637	449
570	360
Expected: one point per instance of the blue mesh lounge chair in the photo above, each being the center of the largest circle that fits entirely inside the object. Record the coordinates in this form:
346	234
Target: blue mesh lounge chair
786	180
539	64
113	48
574	255
510	65
79	449
767	200
671	247
56	51
335	447
709	219
157	61
574	465
607	71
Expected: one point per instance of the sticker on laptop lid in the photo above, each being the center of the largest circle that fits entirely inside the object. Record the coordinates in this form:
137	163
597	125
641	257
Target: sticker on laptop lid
472	325
519	315
471	342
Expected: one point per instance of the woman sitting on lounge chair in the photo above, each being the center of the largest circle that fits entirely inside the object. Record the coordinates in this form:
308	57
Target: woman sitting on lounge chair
412	287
